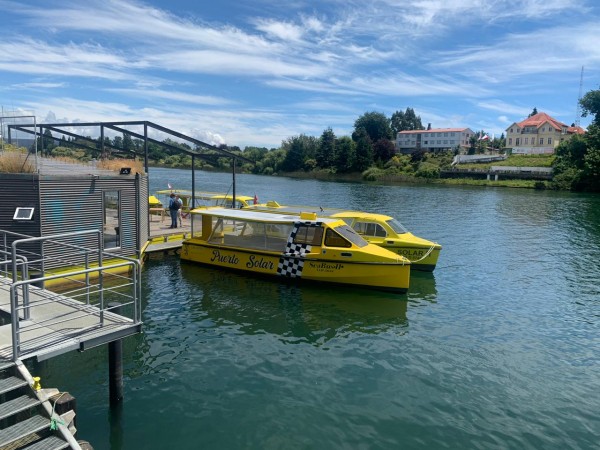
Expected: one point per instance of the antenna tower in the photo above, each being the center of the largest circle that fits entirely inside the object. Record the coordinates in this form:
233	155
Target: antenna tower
578	113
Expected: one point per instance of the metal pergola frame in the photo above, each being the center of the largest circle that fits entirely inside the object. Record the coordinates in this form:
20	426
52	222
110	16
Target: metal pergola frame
118	126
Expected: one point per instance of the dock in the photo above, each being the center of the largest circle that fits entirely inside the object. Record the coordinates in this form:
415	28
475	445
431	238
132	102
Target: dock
48	310
58	324
162	238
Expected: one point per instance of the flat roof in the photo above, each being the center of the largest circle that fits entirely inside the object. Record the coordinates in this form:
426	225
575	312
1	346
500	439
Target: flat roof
257	216
320	211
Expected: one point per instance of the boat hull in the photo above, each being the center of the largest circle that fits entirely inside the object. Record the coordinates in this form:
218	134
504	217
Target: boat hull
422	258
387	276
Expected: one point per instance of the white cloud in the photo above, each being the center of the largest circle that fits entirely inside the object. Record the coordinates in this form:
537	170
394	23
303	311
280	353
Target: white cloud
171	95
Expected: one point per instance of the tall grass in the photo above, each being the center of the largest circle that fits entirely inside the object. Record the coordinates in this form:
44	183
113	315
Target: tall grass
117	164
15	161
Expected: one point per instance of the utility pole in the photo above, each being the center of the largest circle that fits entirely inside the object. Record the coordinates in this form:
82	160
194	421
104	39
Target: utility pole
578	113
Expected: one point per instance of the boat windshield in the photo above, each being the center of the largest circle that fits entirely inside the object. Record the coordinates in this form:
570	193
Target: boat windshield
349	234
397	226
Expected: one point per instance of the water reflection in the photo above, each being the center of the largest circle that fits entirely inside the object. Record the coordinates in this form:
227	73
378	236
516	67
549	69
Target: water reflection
306	313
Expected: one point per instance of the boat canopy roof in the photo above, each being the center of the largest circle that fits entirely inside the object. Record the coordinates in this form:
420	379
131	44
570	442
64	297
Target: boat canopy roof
256	216
323	212
203	194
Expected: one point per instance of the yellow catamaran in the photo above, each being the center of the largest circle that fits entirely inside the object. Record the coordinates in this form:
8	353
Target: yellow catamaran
301	247
378	229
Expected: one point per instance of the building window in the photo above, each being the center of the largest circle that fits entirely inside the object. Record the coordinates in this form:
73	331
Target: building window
518	141
543	129
439	141
549	141
452	134
445	141
541	141
527	140
112	216
511	130
509	141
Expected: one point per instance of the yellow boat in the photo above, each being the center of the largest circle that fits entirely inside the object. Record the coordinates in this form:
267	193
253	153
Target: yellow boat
154	202
209	199
378	229
292	247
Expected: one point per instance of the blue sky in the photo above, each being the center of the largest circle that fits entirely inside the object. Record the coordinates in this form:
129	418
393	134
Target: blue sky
258	72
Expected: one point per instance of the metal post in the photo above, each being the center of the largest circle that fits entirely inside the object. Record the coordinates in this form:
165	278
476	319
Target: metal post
115	364
37	168
146	147
100	277
16	343
193	205
101	141
233	202
87	277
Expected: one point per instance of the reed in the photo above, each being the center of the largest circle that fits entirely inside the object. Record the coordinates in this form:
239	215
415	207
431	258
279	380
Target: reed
15	161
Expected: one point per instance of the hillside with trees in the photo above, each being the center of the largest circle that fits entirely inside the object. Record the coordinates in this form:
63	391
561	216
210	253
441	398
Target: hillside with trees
369	153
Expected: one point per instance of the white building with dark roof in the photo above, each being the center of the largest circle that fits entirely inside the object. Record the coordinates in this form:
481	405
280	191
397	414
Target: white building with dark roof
433	140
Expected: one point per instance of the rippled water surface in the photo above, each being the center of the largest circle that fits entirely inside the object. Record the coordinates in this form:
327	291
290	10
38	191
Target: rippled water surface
498	348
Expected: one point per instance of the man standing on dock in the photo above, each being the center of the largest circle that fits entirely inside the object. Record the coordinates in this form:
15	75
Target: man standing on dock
173	209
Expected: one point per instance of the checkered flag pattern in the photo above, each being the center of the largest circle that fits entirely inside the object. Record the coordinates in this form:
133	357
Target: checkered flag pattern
291	262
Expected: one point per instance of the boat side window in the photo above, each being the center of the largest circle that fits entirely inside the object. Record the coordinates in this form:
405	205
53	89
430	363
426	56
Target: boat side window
370	229
309	235
332	239
397	226
351	235
217	232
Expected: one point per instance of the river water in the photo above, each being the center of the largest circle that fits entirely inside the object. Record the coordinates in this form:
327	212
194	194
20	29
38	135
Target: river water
499	348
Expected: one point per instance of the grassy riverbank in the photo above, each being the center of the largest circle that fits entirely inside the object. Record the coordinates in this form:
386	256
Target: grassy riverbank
407	179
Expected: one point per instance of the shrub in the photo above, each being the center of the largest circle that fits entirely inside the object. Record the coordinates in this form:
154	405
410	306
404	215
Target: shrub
428	170
373	174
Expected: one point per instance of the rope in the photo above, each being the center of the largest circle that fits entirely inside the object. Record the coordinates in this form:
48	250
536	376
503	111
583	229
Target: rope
424	256
54	421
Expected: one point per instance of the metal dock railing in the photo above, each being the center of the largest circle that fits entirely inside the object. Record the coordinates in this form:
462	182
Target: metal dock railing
50	305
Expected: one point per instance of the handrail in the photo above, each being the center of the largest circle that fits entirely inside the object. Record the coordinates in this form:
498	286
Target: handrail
15	308
126	287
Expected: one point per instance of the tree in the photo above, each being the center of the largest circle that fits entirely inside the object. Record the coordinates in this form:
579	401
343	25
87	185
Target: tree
590	104
534	112
383	150
376	125
297	150
127	142
326	150
408	120
345	154
364	149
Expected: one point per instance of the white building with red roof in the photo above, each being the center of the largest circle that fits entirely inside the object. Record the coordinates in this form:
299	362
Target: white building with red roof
538	134
433	140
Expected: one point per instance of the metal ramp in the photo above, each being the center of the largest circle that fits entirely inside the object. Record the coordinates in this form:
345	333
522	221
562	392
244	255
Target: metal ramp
89	287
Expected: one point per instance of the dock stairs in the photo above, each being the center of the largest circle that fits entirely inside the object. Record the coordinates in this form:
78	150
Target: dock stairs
27	417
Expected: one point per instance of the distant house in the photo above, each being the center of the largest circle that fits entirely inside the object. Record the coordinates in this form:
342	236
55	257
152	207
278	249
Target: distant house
433	140
538	134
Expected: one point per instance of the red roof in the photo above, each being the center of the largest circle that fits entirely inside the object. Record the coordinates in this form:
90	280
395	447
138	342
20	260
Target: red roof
576	130
537	120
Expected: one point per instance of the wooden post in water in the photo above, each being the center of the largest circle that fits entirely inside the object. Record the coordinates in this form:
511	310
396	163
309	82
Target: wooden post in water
115	364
